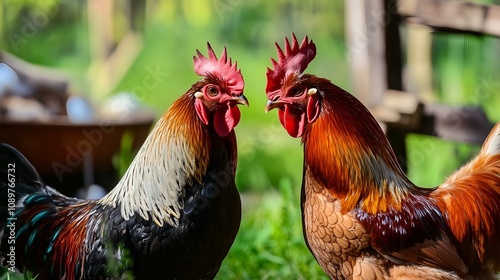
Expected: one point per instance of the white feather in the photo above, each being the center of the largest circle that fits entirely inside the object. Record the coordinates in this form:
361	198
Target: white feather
492	143
156	177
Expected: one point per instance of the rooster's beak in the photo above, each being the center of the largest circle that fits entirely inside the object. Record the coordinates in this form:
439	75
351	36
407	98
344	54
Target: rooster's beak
241	100
274	104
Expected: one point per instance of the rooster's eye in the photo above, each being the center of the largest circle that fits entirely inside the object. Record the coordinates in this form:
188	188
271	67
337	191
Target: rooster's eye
296	91
213	91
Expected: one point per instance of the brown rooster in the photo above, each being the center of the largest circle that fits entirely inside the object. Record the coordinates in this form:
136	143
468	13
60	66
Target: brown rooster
174	214
362	217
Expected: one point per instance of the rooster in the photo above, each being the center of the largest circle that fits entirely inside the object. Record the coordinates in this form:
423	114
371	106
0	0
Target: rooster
173	215
362	217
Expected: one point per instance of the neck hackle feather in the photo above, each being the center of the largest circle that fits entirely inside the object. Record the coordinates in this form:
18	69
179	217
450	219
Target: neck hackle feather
361	167
169	159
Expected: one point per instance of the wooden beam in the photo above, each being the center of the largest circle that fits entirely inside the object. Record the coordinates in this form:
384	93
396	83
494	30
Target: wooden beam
398	109
453	16
460	124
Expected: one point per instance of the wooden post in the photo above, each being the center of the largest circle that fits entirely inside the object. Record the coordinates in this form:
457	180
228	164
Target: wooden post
110	59
393	52
394	64
100	16
365	43
2	24
419	68
453	16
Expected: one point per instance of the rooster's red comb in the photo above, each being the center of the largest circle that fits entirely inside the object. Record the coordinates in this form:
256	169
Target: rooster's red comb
294	60
222	68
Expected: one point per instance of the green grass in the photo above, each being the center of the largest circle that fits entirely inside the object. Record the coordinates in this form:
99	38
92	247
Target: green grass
270	244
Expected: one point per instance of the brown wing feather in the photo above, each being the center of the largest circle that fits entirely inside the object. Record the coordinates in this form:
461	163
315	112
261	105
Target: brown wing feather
438	254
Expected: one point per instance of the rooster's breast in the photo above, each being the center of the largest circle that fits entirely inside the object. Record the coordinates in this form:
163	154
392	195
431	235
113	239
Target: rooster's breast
338	241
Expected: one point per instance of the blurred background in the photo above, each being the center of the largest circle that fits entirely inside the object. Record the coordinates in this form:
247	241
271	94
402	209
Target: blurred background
129	60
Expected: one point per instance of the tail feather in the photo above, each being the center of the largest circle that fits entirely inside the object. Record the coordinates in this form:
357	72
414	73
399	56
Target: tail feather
17	177
13	162
492	144
54	234
470	198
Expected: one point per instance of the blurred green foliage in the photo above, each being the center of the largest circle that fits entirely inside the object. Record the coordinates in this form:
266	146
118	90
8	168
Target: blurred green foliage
270	244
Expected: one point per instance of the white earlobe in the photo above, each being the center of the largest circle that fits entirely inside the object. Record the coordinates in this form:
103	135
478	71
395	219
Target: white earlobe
312	91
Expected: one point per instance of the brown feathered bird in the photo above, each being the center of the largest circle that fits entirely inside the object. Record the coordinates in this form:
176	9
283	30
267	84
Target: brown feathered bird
362	217
173	215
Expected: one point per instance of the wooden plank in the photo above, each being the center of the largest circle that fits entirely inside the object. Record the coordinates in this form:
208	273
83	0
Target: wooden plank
398	109
460	124
403	111
453	16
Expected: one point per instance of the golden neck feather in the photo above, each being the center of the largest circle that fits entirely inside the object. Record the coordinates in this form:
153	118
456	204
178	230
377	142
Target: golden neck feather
347	152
